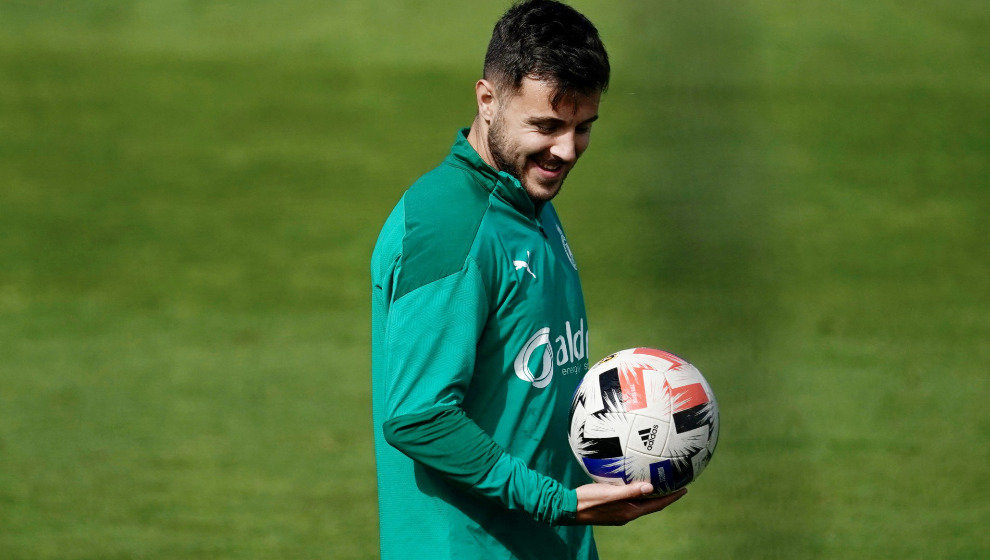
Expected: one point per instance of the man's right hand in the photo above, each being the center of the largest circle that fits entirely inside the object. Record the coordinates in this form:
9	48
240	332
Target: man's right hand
610	504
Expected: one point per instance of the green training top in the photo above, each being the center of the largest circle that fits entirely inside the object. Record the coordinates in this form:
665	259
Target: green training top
479	339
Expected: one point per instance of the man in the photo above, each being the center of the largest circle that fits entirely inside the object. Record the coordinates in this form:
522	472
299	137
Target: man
479	328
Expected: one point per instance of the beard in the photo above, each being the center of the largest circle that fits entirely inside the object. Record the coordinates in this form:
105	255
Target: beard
500	147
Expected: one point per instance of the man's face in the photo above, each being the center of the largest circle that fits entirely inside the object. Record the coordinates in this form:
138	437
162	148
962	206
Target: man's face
537	143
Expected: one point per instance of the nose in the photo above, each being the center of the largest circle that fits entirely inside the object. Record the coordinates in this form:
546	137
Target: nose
565	147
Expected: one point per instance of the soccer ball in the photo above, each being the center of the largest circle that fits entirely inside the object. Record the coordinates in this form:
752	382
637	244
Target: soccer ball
644	415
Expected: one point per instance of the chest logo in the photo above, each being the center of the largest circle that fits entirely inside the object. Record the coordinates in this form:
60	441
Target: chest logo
567	248
542	355
539	341
519	264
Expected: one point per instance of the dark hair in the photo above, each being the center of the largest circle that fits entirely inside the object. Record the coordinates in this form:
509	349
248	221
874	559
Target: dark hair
547	40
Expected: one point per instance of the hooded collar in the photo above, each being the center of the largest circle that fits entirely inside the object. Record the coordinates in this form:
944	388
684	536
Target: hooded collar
499	183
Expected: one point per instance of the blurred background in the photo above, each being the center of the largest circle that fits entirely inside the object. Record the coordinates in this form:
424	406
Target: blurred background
791	195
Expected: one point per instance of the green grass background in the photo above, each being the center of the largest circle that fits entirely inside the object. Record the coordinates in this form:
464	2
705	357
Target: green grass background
794	196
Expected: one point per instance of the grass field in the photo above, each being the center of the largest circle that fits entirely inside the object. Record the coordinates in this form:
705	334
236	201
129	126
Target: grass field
794	196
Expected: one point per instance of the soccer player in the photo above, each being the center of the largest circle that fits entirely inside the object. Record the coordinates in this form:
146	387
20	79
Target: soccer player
479	331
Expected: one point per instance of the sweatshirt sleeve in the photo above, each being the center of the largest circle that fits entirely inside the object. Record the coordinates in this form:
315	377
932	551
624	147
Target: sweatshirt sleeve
431	337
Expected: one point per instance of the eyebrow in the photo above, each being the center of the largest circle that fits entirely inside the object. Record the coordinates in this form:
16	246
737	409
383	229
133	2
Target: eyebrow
555	121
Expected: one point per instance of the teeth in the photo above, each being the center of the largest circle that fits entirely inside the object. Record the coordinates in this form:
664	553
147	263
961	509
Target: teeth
551	167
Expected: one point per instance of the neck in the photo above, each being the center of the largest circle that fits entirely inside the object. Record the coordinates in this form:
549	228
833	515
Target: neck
478	138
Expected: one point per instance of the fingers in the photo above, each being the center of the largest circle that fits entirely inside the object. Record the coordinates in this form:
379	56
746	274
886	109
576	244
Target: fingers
595	494
652	505
635	509
630	491
634	497
618	505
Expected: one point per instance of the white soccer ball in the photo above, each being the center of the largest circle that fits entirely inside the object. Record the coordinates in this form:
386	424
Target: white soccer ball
644	415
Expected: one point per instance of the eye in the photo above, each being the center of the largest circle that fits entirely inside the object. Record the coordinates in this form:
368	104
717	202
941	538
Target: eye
584	129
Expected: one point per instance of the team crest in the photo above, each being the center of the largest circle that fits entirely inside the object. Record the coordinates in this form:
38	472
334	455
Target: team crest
567	248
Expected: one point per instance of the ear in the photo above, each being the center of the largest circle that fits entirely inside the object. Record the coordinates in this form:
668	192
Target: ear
484	91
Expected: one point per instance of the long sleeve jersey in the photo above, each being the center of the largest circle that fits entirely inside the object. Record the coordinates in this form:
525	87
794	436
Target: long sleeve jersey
479	340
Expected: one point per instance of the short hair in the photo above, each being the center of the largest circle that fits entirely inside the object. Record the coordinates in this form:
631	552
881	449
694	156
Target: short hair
547	40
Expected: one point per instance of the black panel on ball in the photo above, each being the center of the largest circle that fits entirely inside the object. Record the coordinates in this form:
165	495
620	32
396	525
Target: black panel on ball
611	389
601	448
692	418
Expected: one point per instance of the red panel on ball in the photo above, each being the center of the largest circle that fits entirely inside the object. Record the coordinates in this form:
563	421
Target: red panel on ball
633	388
661	354
688	396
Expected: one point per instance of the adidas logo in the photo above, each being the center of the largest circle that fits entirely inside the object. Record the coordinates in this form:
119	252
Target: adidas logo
648	435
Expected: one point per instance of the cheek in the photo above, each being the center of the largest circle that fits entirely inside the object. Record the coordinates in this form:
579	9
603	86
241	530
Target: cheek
536	145
582	144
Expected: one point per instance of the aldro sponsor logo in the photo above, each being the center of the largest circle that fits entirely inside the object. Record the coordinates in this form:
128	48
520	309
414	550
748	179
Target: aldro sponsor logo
564	353
648	435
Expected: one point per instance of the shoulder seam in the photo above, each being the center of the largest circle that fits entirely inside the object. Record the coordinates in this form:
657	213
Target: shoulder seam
481	279
467	258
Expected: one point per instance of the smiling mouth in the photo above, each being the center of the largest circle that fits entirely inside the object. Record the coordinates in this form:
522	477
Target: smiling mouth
554	167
